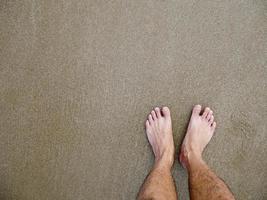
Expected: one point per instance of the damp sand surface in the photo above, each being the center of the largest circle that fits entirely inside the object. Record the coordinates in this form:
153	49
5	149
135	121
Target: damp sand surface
78	79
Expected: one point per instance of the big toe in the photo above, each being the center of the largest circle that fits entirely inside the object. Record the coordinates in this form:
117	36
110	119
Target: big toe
166	111
197	109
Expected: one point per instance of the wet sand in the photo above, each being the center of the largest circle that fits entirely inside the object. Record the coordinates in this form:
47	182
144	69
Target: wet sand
78	79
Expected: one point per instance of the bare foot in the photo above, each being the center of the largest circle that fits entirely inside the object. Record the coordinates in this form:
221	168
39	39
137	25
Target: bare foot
199	132
159	133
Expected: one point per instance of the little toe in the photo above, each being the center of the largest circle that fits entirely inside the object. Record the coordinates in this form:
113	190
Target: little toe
213	126
196	109
153	115
206	112
157	110
166	111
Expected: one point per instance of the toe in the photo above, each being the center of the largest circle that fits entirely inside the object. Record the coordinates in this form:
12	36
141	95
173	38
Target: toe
157	110
197	109
150	119
153	114
166	111
211	119
206	112
147	124
213	126
209	115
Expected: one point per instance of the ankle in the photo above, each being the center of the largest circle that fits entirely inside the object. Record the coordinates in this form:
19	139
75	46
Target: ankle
162	165
164	161
194	160
194	156
189	157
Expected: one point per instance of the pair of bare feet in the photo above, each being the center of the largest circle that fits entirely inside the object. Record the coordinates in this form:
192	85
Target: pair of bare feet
203	182
199	132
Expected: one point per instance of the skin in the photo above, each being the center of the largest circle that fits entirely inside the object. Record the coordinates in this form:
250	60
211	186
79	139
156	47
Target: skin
159	183
203	183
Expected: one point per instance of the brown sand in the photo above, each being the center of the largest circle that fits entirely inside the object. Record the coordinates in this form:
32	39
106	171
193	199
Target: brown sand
78	79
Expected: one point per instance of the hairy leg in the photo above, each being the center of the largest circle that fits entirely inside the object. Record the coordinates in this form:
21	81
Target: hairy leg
203	183
159	183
